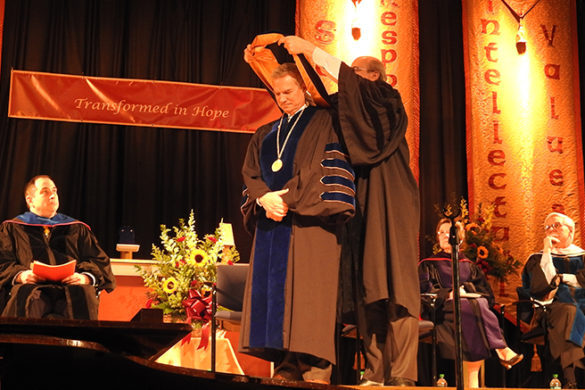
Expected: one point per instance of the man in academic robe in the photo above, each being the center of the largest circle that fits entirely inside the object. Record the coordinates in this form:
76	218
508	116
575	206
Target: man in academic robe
555	278
383	236
45	236
298	192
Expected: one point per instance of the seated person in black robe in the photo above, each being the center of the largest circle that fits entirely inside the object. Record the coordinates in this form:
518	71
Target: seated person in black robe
555	278
46	236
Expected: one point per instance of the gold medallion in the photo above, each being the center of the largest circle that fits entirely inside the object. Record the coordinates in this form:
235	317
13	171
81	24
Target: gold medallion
276	165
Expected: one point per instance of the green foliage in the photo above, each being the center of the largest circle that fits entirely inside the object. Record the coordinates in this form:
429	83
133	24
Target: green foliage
480	244
184	262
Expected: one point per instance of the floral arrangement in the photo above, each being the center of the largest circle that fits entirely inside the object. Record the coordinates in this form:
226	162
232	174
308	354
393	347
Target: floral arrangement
480	246
180	283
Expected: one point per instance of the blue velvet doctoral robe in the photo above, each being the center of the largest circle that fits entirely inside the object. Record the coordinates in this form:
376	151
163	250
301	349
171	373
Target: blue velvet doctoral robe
290	301
565	315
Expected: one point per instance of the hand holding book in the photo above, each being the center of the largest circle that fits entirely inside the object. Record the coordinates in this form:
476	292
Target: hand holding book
54	273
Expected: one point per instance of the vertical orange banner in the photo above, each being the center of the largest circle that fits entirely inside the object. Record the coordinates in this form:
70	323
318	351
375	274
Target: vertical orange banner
523	120
387	30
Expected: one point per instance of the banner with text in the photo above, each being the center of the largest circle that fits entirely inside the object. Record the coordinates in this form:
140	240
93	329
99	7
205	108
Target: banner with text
386	30
523	121
49	96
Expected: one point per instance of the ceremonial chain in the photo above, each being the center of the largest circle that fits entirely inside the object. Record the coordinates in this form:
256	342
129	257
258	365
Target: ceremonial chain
277	164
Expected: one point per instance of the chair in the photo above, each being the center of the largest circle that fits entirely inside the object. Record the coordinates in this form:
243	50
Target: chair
228	292
426	332
525	311
533	330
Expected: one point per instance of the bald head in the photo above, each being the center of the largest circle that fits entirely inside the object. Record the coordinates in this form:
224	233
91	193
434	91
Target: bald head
369	68
561	228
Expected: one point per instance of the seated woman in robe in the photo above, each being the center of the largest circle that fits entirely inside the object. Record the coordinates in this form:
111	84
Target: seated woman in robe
481	330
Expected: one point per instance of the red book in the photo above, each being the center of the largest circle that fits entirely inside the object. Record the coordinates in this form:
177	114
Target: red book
54	273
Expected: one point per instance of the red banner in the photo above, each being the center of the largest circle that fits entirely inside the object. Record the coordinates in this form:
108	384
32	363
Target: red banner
523	121
49	96
387	30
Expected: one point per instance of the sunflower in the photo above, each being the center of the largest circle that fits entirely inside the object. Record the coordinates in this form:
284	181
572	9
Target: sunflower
198	257
471	226
184	263
482	252
170	285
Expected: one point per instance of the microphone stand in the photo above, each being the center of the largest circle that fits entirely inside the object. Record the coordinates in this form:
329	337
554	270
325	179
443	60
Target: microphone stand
454	241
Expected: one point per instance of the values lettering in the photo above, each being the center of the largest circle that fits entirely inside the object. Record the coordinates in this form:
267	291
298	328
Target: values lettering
552	71
555	146
553	114
556	177
550	38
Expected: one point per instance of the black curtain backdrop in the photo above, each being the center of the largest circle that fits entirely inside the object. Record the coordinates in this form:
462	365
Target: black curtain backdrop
443	167
111	176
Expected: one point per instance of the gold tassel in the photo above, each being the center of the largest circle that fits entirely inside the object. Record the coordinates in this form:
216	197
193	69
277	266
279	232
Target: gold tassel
535	364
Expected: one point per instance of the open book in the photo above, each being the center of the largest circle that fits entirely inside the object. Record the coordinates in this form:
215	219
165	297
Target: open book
54	273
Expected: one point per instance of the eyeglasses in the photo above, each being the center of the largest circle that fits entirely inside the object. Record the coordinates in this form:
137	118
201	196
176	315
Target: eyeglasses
553	226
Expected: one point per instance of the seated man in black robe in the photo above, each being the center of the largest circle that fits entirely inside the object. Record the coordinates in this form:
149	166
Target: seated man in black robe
555	278
46	236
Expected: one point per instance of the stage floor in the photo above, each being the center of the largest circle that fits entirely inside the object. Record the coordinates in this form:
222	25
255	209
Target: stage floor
230	381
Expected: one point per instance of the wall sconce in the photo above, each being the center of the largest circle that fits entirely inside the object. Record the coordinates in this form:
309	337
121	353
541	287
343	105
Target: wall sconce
356	31
521	40
519	16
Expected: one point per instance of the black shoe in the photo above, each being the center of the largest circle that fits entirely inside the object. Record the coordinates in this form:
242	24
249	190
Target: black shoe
512	362
367	382
398	381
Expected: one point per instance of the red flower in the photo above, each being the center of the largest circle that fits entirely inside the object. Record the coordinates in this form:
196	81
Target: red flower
230	262
212	239
180	239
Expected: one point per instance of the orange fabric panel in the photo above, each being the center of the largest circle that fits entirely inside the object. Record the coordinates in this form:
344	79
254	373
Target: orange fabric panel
263	63
523	119
36	95
387	30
